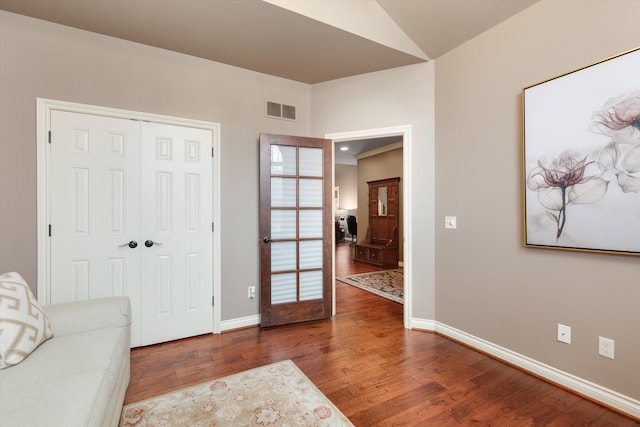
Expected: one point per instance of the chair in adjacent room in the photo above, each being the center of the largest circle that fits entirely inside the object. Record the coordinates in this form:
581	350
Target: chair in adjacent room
352	227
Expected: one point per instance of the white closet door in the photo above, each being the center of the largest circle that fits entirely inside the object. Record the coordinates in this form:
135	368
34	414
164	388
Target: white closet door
95	209
116	184
177	246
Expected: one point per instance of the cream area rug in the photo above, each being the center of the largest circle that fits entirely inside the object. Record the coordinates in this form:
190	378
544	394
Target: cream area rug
273	395
388	284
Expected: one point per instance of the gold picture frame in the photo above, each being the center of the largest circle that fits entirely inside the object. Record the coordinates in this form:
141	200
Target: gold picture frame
581	158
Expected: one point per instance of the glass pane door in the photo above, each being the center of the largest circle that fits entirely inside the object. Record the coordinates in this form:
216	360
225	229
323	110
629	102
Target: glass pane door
295	254
296	223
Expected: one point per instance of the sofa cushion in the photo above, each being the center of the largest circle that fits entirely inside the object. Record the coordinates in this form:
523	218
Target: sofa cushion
68	380
23	323
67	402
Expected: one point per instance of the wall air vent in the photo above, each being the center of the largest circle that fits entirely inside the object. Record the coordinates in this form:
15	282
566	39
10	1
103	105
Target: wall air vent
280	111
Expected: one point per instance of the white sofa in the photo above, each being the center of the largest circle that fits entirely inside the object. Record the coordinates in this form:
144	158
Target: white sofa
78	377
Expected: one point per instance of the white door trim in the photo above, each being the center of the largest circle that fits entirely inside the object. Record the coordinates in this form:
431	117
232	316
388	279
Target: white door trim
405	132
43	114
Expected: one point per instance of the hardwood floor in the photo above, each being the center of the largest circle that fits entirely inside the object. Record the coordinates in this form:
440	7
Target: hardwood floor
374	370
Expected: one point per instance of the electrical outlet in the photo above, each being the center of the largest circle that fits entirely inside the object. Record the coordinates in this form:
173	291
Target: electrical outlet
251	292
564	333
606	347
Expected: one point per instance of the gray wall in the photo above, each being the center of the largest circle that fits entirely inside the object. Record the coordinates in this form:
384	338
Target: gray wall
40	59
488	284
399	97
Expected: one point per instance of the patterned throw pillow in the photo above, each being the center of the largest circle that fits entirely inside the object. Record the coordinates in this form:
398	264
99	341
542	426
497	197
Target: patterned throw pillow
23	323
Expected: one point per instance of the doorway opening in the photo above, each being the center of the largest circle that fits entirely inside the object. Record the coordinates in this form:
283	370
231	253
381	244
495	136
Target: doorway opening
370	143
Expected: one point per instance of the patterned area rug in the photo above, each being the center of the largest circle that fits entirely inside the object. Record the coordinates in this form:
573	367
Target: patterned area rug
273	395
388	284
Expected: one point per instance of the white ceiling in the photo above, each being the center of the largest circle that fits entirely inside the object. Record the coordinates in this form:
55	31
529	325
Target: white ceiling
269	37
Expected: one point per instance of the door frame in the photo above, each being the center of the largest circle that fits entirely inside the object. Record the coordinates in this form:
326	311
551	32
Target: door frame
405	132
43	167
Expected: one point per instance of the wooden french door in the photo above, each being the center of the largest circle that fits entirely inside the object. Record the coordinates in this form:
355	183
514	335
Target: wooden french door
295	229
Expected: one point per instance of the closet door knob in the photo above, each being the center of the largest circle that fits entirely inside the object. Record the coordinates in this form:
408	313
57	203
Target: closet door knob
132	244
150	243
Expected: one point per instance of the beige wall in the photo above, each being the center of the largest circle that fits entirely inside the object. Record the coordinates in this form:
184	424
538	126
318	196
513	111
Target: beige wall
488	284
346	177
40	59
381	166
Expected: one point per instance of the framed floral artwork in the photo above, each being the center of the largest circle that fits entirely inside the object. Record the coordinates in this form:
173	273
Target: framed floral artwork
581	158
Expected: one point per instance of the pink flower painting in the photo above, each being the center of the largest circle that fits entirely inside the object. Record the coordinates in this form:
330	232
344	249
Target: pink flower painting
564	180
582	158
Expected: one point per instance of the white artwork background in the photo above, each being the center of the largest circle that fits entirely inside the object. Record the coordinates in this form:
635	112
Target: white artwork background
558	115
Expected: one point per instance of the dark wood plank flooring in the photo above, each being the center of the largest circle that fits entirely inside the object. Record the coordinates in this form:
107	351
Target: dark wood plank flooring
374	370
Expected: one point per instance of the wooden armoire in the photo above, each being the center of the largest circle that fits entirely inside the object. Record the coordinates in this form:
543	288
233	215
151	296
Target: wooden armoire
380	245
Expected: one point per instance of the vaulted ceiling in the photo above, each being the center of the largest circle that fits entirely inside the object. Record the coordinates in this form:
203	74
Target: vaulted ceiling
310	41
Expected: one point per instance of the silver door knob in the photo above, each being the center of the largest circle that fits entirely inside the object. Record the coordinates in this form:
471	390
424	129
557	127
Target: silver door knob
132	244
150	243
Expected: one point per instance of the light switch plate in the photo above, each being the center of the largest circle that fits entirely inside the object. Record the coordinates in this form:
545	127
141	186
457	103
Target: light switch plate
564	333
450	222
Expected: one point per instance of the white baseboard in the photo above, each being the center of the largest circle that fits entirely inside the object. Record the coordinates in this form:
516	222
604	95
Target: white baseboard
596	392
423	324
240	322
